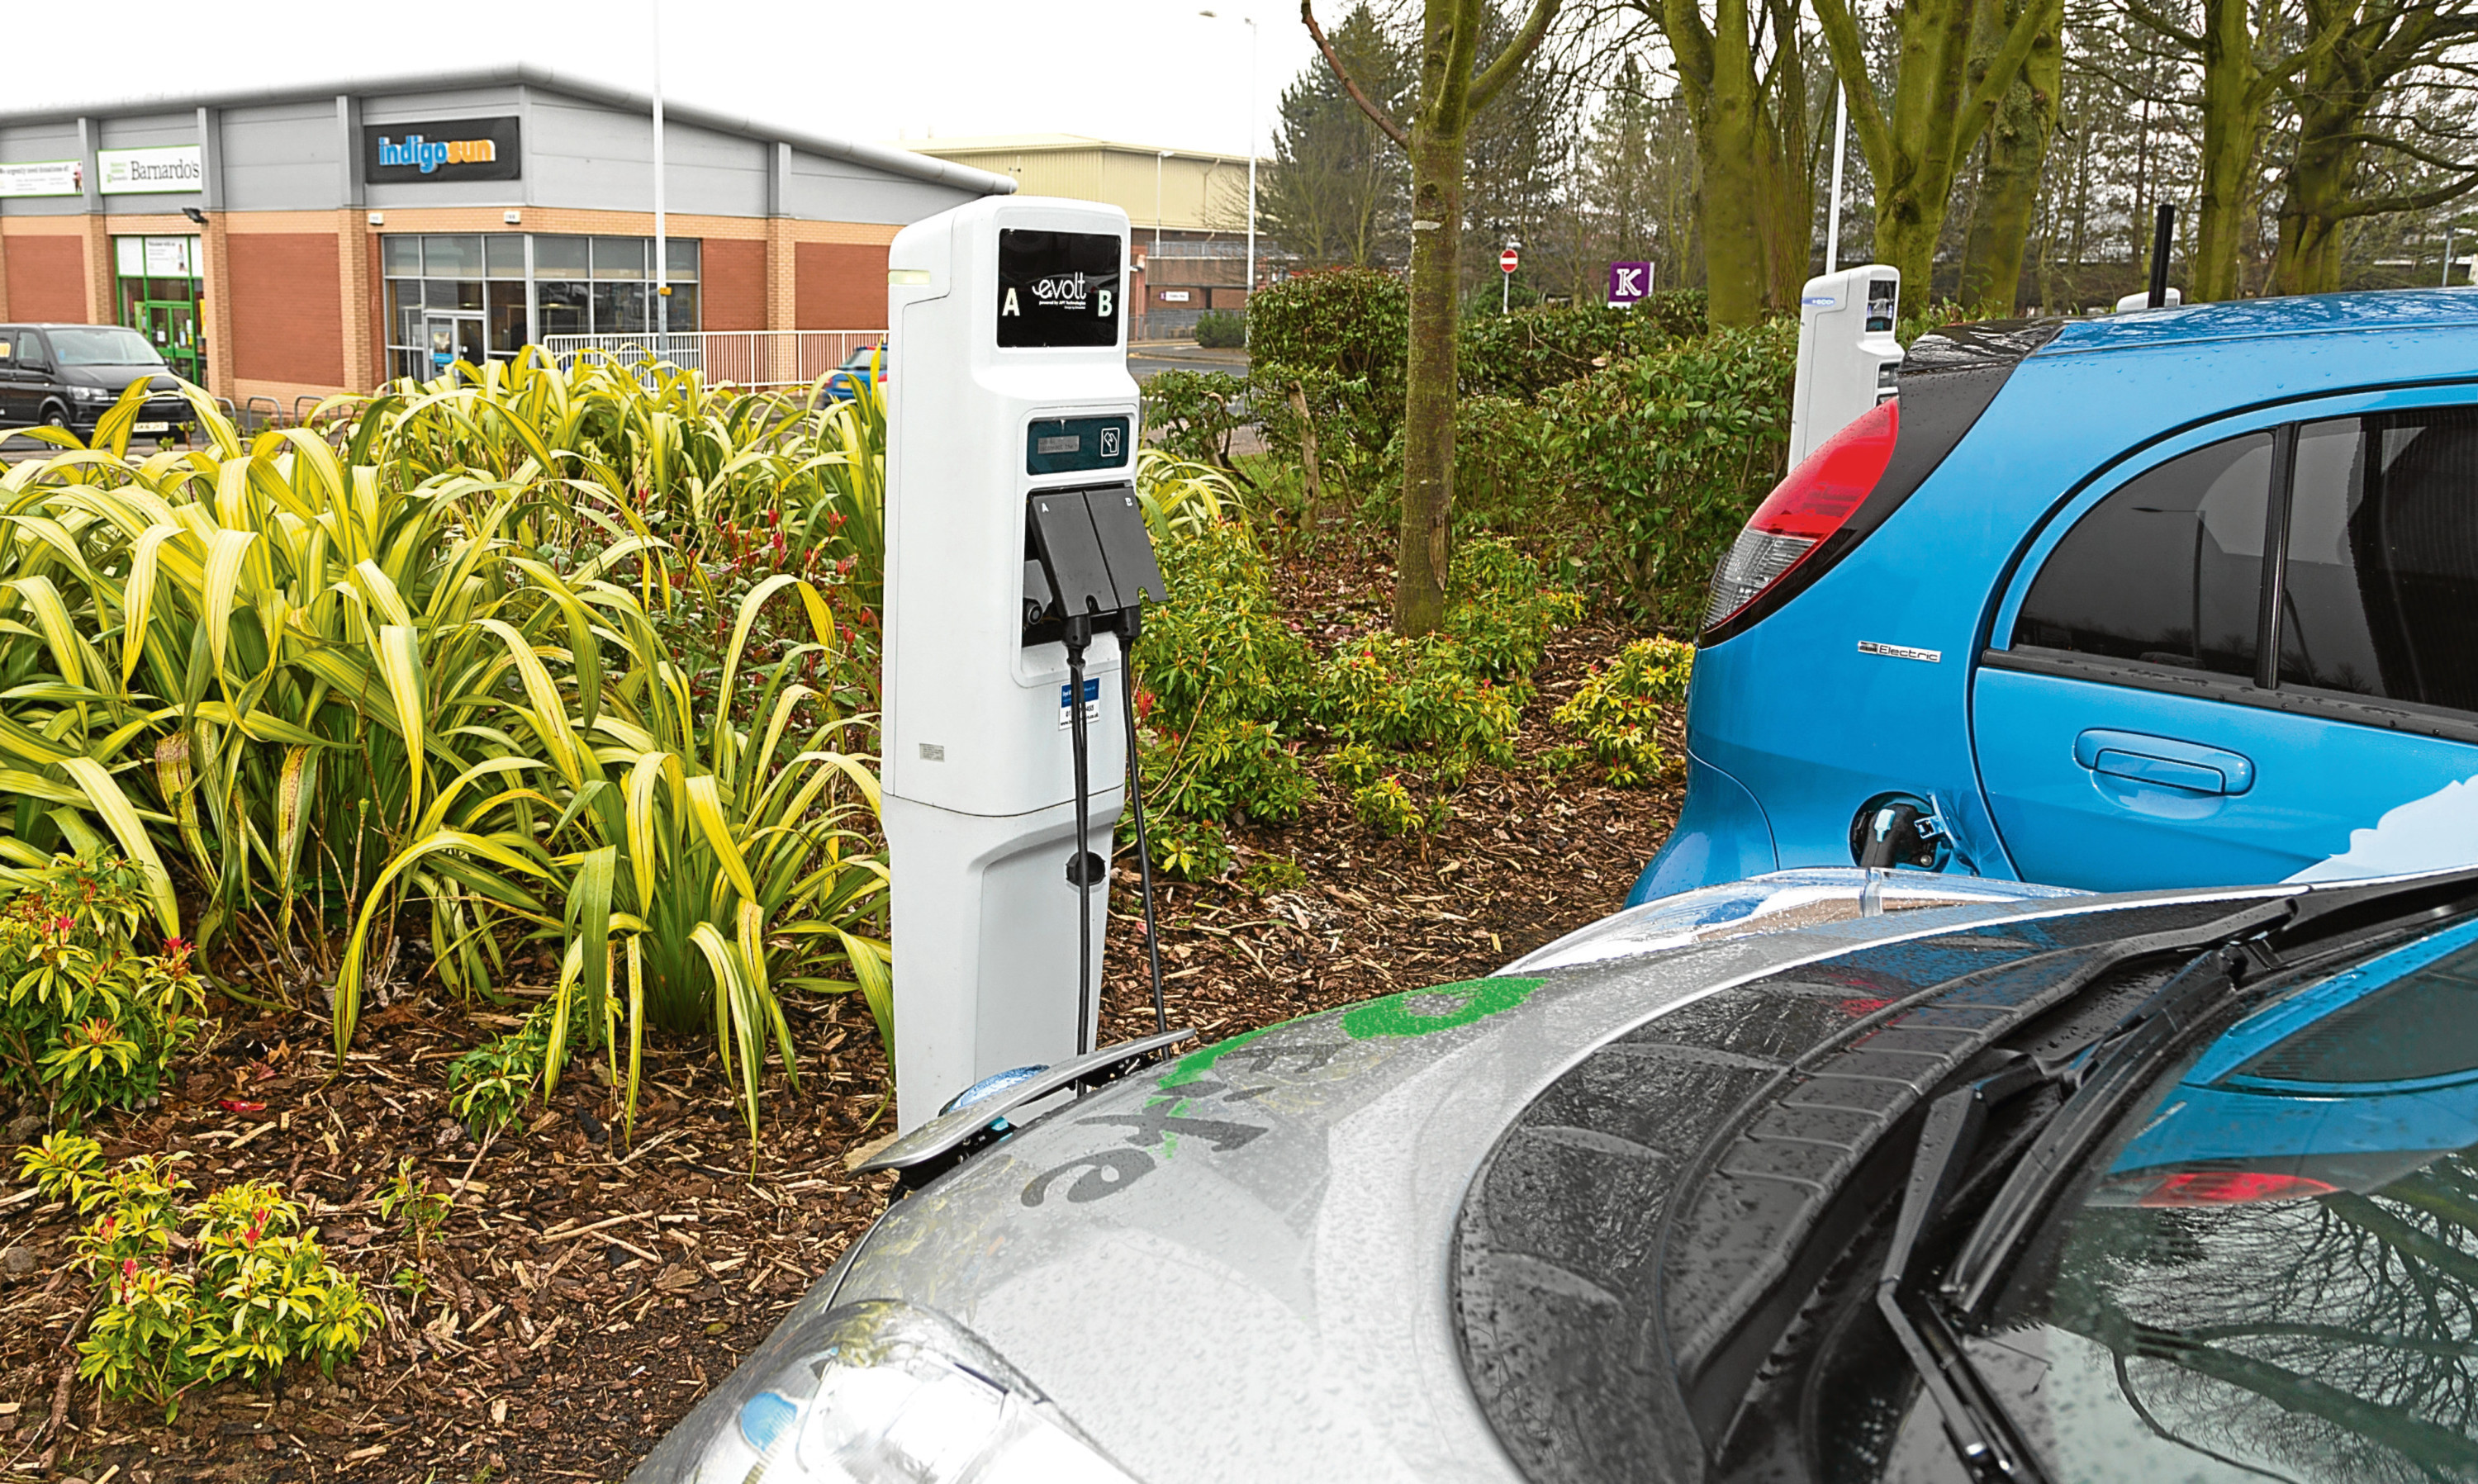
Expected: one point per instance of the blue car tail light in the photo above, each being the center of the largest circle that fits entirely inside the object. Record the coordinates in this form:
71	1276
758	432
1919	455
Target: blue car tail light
1947	379
1804	508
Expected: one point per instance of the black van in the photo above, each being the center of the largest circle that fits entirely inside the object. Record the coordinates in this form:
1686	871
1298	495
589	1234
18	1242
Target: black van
68	375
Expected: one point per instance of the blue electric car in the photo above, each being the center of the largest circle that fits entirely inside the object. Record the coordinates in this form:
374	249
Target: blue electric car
2180	597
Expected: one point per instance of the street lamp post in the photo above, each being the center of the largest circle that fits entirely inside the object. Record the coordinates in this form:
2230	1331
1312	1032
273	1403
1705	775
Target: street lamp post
1157	197
662	315
1249	22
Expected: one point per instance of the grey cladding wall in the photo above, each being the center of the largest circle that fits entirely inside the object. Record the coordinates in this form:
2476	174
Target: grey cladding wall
284	157
585	155
822	189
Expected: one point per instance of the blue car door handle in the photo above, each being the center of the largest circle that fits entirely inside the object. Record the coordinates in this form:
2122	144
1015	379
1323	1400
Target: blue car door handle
2164	761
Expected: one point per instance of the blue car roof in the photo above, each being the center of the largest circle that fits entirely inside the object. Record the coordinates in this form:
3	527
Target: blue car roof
2245	319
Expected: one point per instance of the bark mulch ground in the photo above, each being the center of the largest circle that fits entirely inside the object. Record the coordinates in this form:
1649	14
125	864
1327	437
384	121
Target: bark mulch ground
586	1290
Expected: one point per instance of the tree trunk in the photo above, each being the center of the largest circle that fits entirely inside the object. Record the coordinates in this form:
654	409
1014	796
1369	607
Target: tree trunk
1718	69
1917	141
2308	260
2234	96
2017	151
1428	409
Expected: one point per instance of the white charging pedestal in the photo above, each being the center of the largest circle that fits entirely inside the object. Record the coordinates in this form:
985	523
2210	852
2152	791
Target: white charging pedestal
1846	352
1009	377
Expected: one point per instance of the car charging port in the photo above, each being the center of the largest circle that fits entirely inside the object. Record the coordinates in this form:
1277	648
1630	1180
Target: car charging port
1895	830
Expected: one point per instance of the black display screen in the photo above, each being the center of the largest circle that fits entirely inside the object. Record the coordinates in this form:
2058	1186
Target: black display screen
1065	445
1057	288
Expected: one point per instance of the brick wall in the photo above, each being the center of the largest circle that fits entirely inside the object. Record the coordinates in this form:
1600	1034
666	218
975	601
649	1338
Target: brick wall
842	286
287	308
732	282
47	278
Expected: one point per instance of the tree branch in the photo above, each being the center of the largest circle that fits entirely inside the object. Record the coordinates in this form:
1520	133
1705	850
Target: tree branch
2159	22
1981	110
2418	201
1849	53
1377	115
1509	62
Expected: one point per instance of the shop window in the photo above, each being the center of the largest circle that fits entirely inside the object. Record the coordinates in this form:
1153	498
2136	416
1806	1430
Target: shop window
452	256
684	307
401	257
681	254
619	256
448	293
507	303
560	257
620	309
562	306
503	254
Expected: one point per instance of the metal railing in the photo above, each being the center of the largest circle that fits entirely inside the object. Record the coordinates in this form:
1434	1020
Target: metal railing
744	358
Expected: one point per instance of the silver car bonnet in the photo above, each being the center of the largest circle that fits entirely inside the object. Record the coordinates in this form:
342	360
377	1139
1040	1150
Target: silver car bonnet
1234	1267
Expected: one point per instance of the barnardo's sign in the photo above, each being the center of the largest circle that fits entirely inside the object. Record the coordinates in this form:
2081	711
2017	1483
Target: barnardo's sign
42	178
447	149
132	172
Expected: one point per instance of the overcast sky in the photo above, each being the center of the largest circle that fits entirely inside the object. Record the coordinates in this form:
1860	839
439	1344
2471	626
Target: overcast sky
1148	72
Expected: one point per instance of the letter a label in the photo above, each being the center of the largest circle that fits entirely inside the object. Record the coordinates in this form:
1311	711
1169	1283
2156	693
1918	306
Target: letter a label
1011	307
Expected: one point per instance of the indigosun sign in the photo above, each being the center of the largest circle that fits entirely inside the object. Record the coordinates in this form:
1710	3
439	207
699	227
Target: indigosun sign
447	149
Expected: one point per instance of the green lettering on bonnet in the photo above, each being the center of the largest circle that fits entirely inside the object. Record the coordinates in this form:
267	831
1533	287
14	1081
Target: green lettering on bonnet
1391	1015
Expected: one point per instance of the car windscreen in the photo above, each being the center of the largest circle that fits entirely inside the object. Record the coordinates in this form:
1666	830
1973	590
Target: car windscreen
2273	1270
101	345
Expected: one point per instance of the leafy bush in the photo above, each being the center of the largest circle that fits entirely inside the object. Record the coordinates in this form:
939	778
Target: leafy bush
488	1086
250	1292
1523	354
1418	695
1192	414
1386	807
1356	765
1226	768
1268	874
1617	709
1350	324
1502	609
1186	850
1678	447
1216	329
88	1022
1219	646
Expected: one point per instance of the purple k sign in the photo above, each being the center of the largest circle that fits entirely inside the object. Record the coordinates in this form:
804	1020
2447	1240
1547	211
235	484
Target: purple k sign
1629	283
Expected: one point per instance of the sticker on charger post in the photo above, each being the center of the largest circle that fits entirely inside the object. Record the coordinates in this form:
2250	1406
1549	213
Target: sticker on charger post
1092	703
1068	445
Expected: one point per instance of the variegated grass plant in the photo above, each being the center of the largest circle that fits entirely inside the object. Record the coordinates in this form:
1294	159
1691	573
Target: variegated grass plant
416	668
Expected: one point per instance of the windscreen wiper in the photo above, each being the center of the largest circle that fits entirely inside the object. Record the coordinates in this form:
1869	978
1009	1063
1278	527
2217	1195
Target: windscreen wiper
2093	1074
1991	1450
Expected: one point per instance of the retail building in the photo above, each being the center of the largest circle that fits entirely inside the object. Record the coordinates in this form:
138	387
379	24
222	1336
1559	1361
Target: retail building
301	242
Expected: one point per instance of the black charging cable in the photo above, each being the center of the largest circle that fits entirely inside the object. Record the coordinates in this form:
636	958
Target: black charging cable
1132	625
1079	634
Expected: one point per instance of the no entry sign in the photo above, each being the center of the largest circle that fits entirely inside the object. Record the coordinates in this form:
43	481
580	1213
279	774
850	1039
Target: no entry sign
1506	260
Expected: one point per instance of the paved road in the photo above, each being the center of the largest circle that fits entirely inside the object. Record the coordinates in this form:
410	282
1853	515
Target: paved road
1147	359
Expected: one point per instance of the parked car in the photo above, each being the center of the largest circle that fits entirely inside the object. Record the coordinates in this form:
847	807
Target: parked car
1812	1176
68	376
2176	597
868	367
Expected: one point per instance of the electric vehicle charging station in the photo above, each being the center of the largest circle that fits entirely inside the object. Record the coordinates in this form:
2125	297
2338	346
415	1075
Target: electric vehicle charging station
1847	356
1013	537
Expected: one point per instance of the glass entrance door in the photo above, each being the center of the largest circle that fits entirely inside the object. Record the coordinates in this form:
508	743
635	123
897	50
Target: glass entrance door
453	337
171	327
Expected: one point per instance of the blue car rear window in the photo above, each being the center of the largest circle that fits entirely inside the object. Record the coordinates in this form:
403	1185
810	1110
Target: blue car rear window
2424	1025
2168	570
